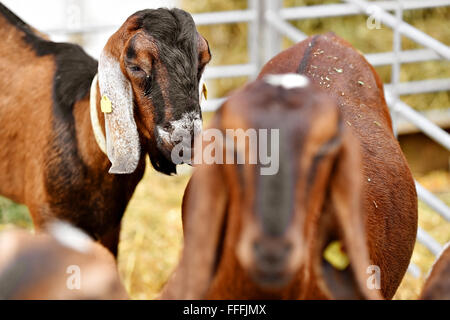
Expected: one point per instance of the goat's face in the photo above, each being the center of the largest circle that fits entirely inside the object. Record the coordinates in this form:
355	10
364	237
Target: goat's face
150	69
279	225
278	207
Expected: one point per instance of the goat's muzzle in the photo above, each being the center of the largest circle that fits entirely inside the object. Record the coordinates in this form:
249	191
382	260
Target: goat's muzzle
176	138
271	261
271	257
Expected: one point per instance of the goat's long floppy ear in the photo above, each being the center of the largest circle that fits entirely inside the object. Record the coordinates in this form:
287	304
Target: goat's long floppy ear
204	207
346	198
204	214
122	139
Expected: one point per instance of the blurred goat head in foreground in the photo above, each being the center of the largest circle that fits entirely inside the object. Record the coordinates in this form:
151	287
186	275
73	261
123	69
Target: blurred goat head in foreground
251	236
64	264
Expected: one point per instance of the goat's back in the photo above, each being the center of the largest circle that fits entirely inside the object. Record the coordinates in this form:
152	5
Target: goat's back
25	84
41	81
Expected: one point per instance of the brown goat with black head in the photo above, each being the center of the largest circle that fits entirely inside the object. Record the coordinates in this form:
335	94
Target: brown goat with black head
255	236
390	200
52	158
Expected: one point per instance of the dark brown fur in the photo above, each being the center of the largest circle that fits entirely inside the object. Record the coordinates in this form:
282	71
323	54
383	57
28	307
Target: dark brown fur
390	199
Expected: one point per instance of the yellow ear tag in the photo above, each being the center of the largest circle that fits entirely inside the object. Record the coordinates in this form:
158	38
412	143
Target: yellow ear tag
105	104
205	91
335	256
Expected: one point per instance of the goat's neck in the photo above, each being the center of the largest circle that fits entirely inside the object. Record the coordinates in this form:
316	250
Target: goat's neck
89	151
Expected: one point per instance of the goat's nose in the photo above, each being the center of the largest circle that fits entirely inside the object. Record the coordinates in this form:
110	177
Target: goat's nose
168	127
183	130
271	256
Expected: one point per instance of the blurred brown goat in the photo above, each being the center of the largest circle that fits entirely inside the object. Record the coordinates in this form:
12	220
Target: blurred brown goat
253	236
437	285
390	200
53	153
64	264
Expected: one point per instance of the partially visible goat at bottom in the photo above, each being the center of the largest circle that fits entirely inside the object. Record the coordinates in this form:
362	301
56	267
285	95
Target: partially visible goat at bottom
63	264
252	236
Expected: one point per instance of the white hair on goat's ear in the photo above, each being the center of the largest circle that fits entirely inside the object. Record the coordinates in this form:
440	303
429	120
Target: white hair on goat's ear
70	236
122	138
287	80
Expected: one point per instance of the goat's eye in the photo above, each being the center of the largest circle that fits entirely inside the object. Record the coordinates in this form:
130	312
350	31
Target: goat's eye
135	69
